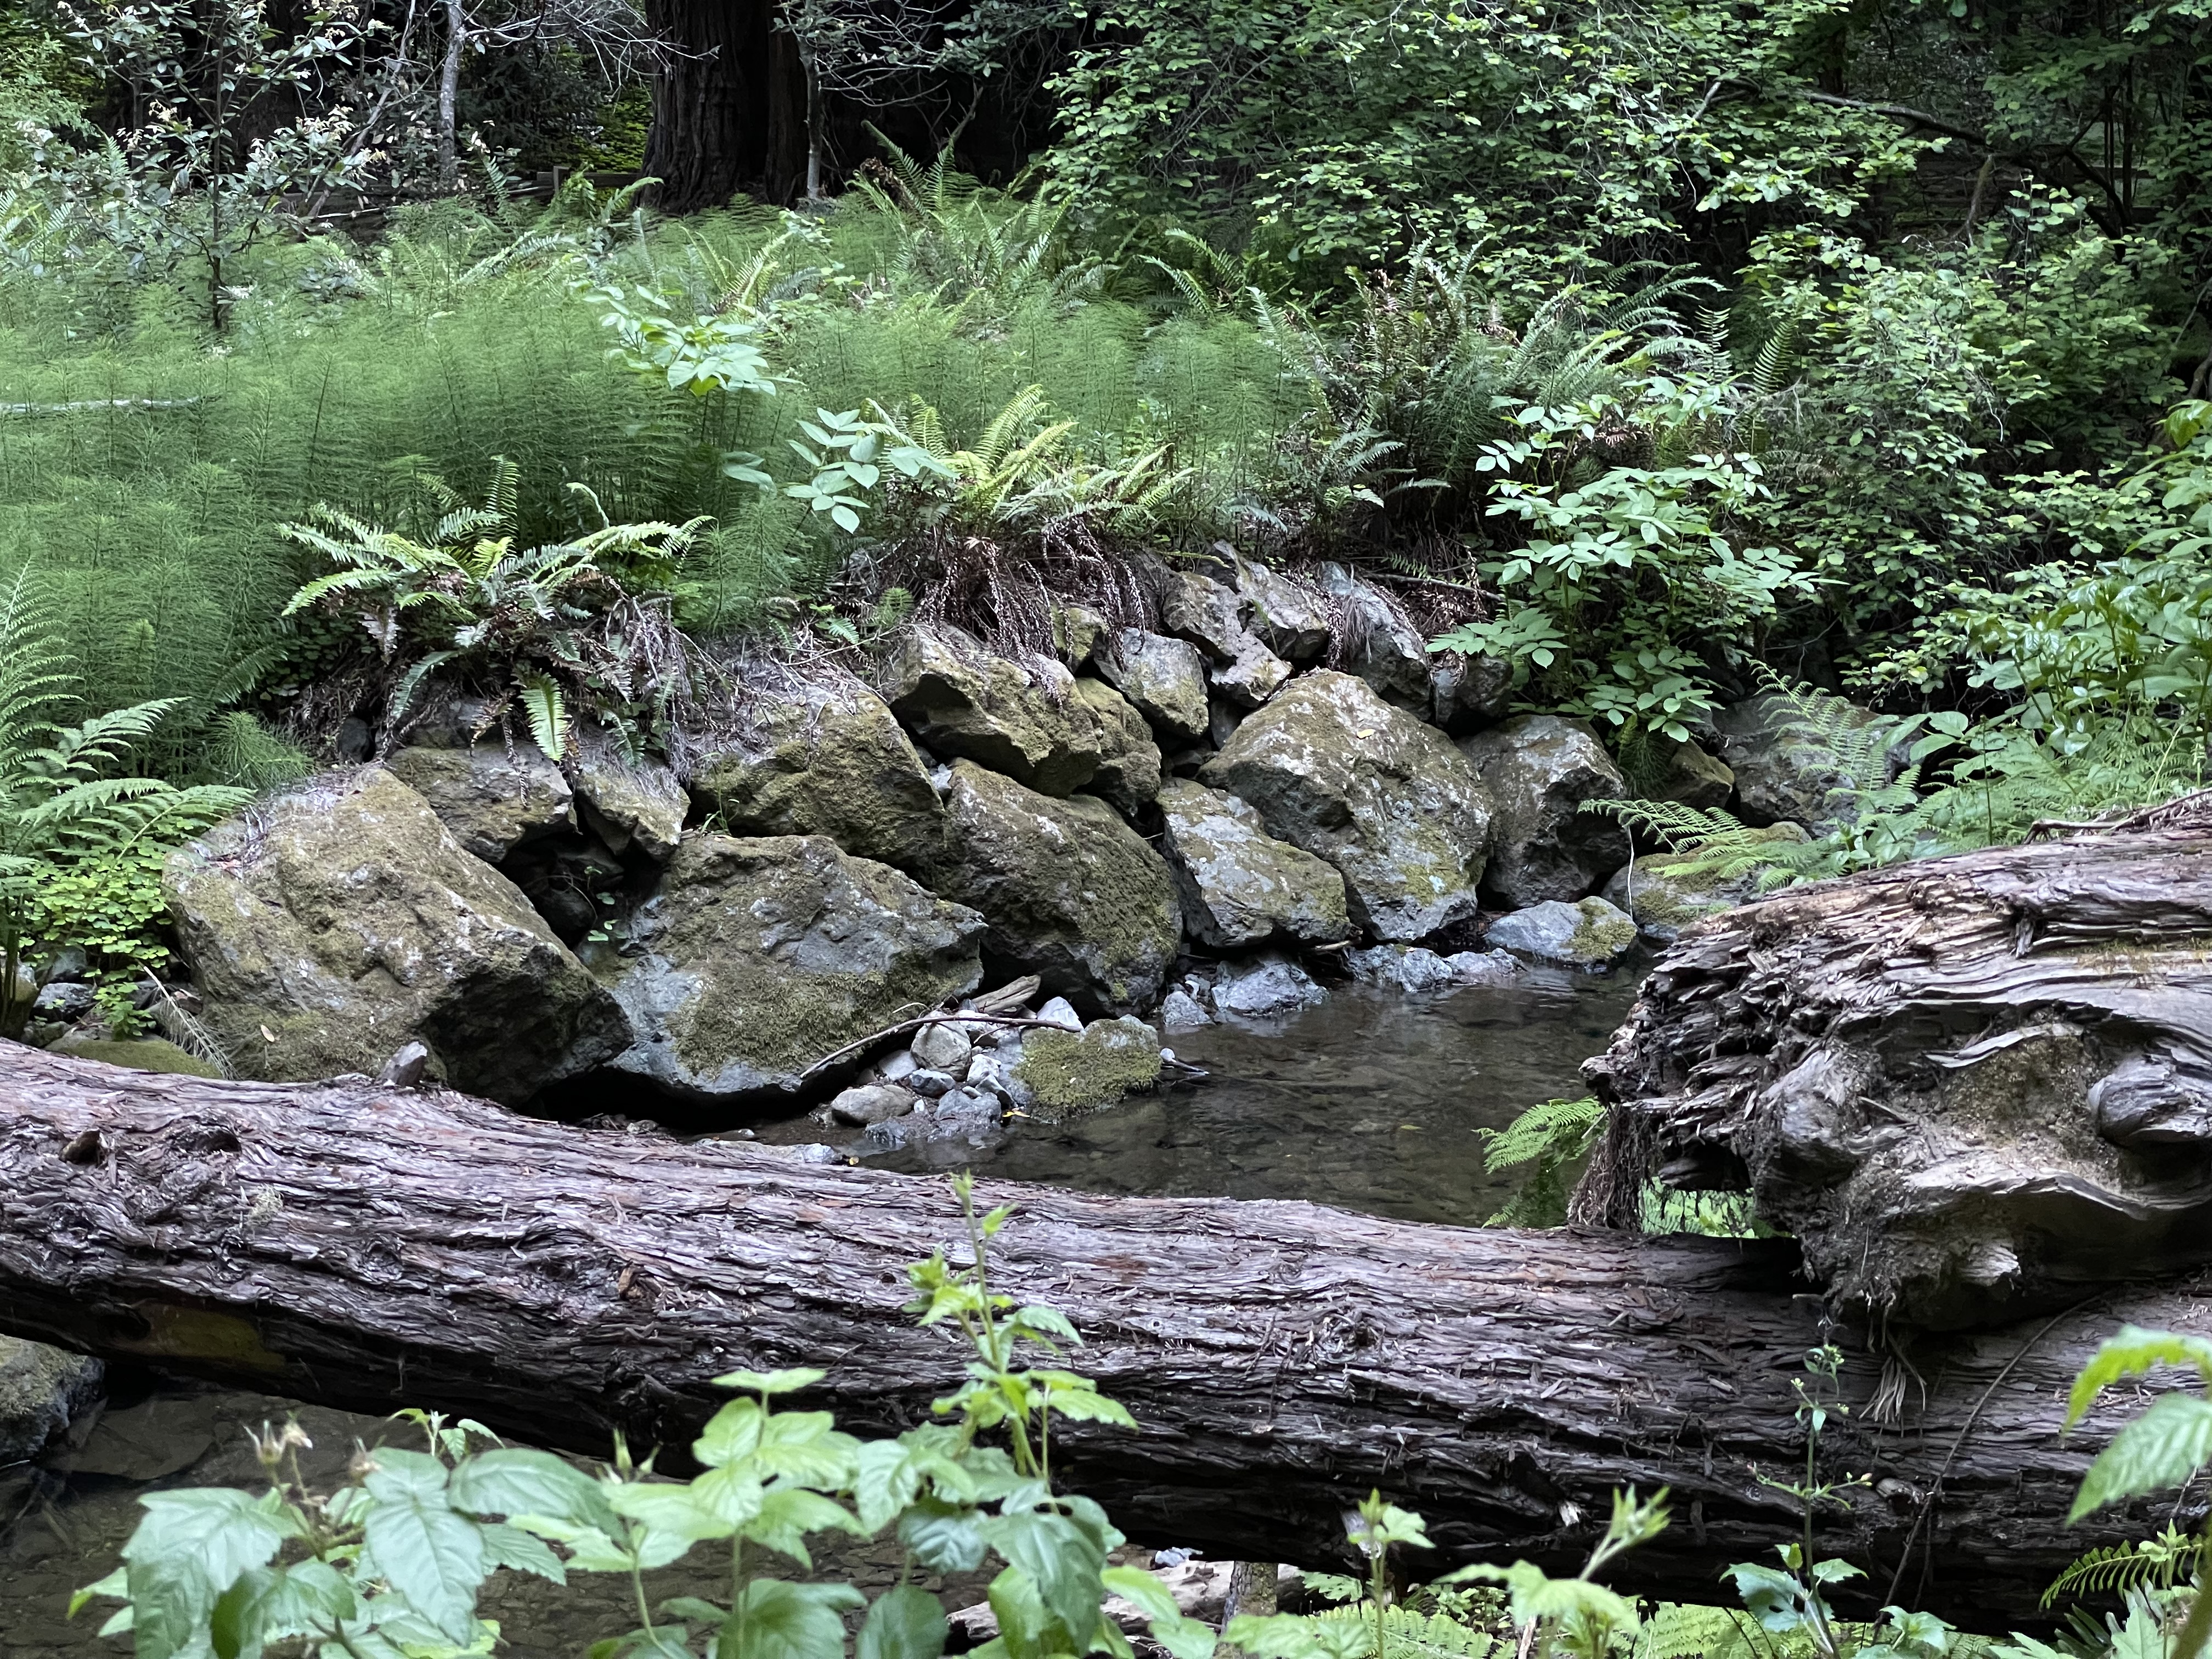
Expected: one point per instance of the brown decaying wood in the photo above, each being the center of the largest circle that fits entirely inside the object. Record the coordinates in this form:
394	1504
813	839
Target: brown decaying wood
369	1248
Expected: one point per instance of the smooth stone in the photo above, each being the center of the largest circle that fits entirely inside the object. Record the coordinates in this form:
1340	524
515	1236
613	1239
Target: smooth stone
1251	677
1485	966
1378	644
944	1047
1470	691
65	1000
1128	775
1403	967
1289	618
1197	608
1266	987
1181	1011
1061	1013
932	1085
871	1103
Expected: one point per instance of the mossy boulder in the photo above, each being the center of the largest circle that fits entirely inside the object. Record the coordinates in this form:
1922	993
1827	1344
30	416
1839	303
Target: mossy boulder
1291	617
1589	934
41	1388
826	761
137	1053
1375	642
963	703
1240	886
492	797
631	803
1064	1074
1685	772
1782	751
1071	893
1128	772
1164	677
330	926
1334	769
1195	607
1666	893
1470	692
1539	770
755	956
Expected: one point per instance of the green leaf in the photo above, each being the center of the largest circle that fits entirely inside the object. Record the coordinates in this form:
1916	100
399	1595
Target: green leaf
672	1520
2164	1447
517	1480
2135	1352
944	1537
511	1546
783	1621
432	1558
788	1514
789	1380
906	1622
1062	1559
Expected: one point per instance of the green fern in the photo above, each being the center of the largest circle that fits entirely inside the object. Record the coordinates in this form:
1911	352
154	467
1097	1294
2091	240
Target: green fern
2157	1563
1683	1630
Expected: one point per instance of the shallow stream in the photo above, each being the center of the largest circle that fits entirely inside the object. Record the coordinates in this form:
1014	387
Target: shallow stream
1370	1102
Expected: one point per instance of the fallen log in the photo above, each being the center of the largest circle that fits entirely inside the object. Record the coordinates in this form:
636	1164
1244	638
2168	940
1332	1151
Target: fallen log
1973	1088
369	1248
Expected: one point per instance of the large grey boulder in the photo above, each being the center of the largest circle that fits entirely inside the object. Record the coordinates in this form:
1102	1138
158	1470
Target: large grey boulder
1539	770
631	803
342	920
492	797
1786	765
826	761
1271	986
1291	617
1128	772
1164	677
1334	769
1375	642
1589	934
1197	608
1684	772
963	703
1250	678
1240	886
1668	892
756	956
1071	893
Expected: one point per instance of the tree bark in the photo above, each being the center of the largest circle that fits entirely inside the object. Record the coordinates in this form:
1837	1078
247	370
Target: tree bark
727	117
372	1248
1973	1088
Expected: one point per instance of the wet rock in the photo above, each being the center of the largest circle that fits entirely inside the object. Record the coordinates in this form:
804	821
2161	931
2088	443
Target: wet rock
1375	642
1589	934
1181	1011
492	800
1485	966
344	920
962	702
929	1085
1128	772
827	761
1071	893
871	1103
1402	968
962	1121
1060	1012
1164	677
1334	771
894	1067
1066	1073
405	1068
136	1053
628	803
944	1047
1685	773
1667	892
1266	987
1470	692
1538	770
64	1001
1249	678
41	1388
1786	767
1291	618
1241	886
757	956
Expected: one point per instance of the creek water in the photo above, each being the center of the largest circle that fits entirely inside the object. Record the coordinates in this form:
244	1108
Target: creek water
1370	1100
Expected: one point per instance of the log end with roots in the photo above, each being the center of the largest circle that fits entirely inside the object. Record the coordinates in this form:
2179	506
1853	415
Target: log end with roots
1973	1087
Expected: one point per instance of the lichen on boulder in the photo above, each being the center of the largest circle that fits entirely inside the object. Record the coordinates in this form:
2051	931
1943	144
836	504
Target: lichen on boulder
1334	769
630	802
1063	1074
332	925
1128	772
1539	770
1240	886
825	759
1070	892
963	703
756	957
1588	934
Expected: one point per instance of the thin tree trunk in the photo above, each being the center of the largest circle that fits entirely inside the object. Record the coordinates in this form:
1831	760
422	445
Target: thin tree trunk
449	95
371	1248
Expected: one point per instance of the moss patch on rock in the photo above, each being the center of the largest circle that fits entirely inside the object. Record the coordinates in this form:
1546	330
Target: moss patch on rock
1070	1073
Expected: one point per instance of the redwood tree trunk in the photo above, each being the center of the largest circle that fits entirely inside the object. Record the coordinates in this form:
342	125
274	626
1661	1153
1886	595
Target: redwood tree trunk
370	1248
725	116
